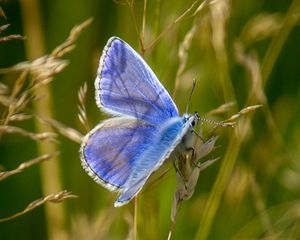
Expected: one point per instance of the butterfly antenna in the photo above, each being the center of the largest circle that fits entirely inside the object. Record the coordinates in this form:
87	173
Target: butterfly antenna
190	96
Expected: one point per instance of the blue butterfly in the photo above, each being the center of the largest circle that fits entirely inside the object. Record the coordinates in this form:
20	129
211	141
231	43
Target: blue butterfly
122	152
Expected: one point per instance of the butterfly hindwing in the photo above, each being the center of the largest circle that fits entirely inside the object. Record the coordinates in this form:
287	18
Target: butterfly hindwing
167	138
125	85
111	149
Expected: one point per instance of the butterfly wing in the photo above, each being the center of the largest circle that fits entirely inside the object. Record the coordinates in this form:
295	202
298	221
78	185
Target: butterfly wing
167	138
121	153
125	85
111	149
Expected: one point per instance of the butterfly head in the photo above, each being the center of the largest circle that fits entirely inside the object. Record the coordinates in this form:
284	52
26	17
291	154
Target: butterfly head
192	119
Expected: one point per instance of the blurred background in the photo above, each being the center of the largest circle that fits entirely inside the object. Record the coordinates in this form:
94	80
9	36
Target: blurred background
241	53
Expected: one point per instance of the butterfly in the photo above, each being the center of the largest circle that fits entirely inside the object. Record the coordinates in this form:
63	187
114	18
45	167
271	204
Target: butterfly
122	152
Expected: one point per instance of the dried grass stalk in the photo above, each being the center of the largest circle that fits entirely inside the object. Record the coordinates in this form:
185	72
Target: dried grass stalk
97	227
49	136
9	37
2	13
187	175
19	84
12	37
202	6
242	112
232	120
68	132
17	100
224	108
26	165
4	27
44	68
5	101
3	88
183	56
81	106
260	27
186	14
188	171
53	198
20	117
251	63
68	45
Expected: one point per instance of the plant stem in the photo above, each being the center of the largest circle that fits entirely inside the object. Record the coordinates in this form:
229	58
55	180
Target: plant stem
289	22
219	186
135	218
32	23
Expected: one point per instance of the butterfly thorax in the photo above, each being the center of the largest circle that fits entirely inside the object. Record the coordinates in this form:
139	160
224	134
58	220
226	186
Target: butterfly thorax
188	140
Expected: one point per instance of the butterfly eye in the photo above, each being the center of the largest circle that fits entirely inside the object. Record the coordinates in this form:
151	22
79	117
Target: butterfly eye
193	123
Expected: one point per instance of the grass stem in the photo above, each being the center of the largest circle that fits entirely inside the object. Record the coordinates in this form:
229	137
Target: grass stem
51	181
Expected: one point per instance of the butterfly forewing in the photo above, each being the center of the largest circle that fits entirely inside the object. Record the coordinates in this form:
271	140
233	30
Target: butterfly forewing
125	84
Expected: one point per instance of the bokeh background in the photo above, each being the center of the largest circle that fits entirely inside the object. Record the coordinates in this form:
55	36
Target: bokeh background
245	52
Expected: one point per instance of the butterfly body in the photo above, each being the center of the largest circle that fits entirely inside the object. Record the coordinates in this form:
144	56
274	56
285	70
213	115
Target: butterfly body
122	152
